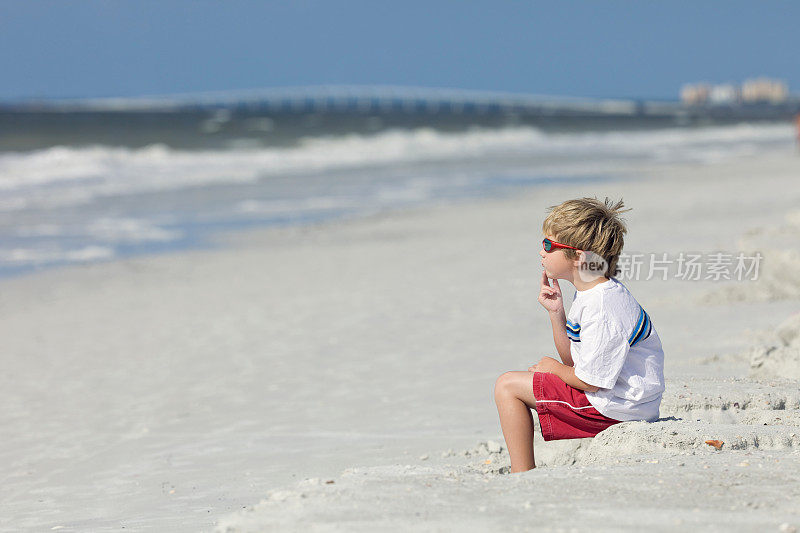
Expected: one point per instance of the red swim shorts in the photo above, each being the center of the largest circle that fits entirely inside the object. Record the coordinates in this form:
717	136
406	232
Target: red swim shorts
564	411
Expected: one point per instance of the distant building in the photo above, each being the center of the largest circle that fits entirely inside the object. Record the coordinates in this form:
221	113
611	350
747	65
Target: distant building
764	90
724	94
751	91
695	93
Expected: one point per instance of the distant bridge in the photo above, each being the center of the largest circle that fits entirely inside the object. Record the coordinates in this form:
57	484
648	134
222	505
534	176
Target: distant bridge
382	99
367	99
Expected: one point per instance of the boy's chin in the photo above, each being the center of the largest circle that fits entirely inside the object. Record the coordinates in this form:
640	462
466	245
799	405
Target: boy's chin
551	275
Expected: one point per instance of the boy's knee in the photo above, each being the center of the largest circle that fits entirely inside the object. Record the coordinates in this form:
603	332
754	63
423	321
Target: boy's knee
503	385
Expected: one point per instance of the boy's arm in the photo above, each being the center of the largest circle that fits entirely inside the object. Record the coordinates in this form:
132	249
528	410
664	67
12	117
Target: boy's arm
566	373
551	299
559	322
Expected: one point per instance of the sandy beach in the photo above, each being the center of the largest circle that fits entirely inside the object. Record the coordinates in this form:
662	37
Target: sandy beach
339	377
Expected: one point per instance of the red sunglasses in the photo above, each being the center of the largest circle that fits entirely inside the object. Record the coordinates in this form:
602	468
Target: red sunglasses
549	246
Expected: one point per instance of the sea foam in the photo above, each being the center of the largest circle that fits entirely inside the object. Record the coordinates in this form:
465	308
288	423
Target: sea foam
60	176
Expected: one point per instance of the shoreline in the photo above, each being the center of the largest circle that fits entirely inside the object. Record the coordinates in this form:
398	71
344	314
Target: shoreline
128	215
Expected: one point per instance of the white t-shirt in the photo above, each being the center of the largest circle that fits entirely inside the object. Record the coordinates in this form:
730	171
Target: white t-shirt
614	346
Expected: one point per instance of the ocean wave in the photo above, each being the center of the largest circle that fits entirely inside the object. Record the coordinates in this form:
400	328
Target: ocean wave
70	176
54	255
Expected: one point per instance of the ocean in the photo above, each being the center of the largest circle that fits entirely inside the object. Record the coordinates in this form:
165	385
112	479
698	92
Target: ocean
81	186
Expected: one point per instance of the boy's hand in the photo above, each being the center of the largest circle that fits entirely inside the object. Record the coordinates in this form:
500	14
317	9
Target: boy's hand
550	297
547	364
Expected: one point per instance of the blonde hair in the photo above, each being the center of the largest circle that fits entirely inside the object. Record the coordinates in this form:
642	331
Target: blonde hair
589	224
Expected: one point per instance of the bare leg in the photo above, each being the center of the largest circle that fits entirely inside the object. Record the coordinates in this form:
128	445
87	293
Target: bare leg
513	395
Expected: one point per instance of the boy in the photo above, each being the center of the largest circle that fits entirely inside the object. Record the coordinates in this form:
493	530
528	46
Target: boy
612	364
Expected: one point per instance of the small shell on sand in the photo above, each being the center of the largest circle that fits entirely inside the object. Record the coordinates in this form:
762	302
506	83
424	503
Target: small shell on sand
715	443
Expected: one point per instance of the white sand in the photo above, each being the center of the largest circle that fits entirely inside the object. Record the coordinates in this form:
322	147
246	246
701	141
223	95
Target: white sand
176	392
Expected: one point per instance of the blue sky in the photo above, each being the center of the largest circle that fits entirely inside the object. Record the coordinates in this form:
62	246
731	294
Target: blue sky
578	48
